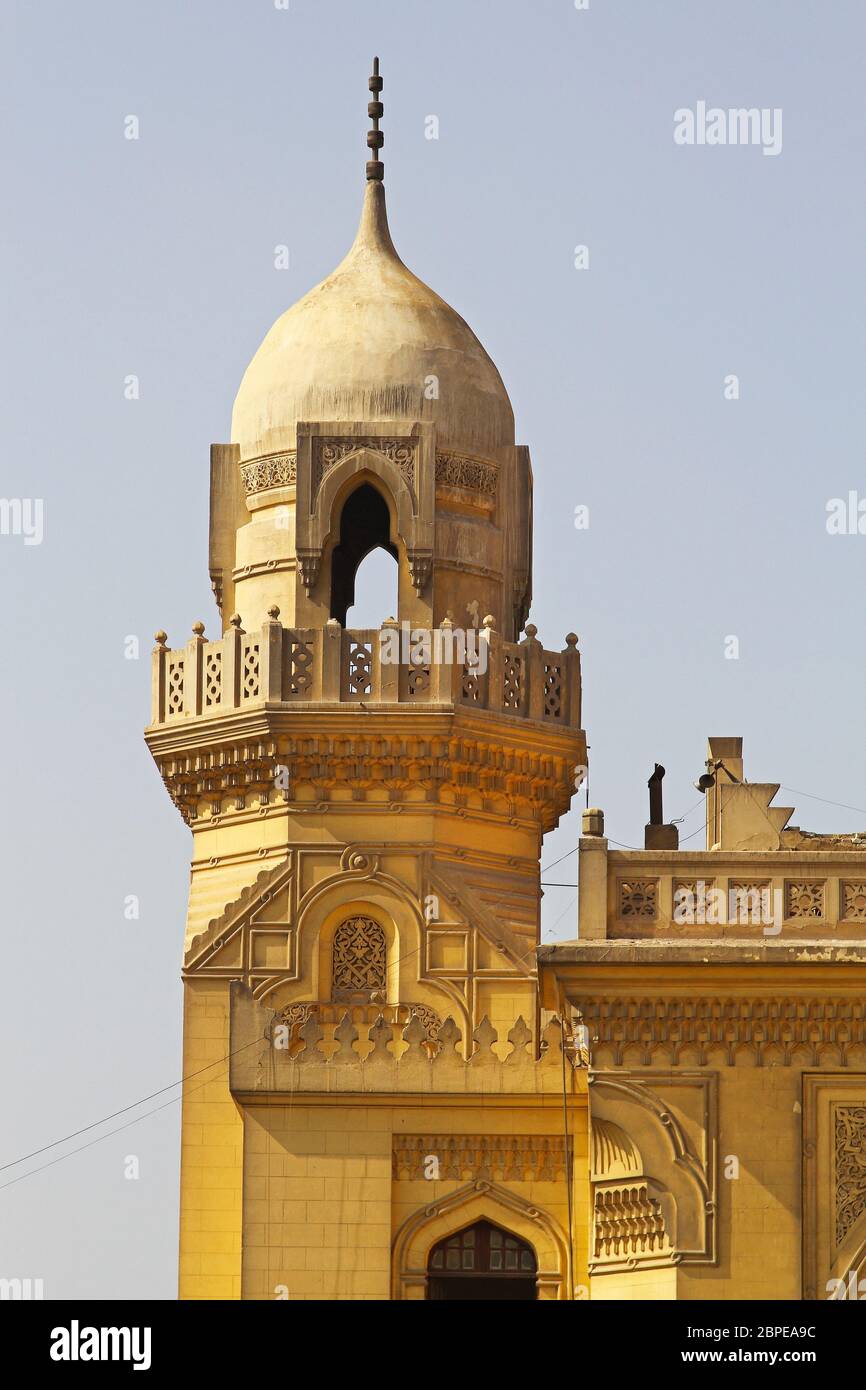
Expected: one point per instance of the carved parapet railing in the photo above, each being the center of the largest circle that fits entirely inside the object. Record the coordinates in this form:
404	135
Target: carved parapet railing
442	667
272	1056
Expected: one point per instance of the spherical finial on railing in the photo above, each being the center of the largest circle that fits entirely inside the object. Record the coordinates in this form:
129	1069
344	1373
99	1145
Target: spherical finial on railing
273	612
198	629
235	620
571	639
490	622
531	630
160	638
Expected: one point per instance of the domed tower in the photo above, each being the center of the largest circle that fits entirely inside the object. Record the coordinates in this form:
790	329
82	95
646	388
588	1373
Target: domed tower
367	807
372	382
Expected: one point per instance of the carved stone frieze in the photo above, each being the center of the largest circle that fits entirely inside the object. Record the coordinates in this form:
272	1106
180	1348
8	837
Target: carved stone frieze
813	1029
498	1157
274	470
463	471
328	451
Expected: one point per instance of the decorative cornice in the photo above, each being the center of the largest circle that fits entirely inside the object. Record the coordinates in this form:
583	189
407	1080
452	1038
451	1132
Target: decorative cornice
642	1028
509	780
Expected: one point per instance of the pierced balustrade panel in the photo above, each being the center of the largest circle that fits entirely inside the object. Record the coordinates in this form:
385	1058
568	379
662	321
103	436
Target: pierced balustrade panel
470	686
513	680
554	684
415	682
358	665
174	684
250	670
213	677
299	672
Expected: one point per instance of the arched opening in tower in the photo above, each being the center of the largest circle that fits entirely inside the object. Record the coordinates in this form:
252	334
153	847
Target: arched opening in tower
482	1262
363	570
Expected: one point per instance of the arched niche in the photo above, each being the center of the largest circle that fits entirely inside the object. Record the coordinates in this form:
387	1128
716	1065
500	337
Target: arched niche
365	524
401	471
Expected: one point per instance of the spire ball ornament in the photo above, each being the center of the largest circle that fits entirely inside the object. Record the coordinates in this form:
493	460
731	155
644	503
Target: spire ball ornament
375	138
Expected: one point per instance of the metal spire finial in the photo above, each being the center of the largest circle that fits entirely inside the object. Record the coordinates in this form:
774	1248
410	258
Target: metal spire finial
375	138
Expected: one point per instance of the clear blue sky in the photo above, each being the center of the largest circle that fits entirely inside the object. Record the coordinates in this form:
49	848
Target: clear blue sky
155	257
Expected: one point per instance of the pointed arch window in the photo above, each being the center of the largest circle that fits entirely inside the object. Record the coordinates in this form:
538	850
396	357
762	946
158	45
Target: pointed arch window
359	960
482	1261
365	526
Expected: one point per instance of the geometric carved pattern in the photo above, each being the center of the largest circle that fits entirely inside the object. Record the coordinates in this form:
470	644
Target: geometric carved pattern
417	680
512	669
250	671
638	897
300	667
359	958
470	690
494	1157
628	1221
850	1150
174	695
213	669
750	902
553	691
690	900
854	902
359	677
804	899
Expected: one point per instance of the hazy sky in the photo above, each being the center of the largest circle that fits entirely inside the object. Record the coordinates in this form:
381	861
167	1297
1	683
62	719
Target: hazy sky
155	257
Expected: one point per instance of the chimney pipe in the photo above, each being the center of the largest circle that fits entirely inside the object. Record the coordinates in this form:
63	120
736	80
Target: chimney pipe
657	835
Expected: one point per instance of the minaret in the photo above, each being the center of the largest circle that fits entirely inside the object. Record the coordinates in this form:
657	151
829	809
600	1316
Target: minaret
366	807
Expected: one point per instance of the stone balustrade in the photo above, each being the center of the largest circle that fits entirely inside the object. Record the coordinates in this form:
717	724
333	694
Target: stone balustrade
442	667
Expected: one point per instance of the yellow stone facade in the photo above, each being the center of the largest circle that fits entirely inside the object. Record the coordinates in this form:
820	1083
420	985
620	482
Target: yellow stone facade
368	1069
390	1092
722	992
